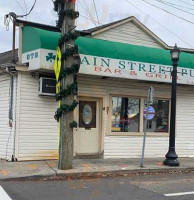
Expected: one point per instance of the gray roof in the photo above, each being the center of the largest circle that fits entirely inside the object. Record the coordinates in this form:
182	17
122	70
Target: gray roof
6	57
91	30
57	29
38	25
45	26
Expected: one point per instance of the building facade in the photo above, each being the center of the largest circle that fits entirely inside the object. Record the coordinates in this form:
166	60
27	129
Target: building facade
117	68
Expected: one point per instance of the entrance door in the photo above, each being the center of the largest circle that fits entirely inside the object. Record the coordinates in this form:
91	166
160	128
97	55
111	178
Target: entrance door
88	130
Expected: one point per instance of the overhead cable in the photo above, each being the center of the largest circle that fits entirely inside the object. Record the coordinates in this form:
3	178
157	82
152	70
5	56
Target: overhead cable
96	11
25	6
86	11
160	24
173	4
29	11
86	5
90	19
168	12
186	2
20	6
162	2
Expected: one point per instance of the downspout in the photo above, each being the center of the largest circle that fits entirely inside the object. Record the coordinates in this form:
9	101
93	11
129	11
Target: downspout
13	42
12	78
12	90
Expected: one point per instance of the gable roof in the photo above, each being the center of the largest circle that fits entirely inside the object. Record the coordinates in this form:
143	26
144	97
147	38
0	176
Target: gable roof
102	28
96	30
45	26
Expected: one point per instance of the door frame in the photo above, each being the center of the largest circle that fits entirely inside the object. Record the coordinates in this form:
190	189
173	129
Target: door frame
99	101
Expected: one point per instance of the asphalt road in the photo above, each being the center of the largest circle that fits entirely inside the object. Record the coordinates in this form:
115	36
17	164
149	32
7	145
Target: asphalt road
143	187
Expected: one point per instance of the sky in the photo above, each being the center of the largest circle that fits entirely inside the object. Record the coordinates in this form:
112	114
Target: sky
169	28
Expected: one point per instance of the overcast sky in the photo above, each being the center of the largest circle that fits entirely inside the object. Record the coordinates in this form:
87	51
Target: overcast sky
158	21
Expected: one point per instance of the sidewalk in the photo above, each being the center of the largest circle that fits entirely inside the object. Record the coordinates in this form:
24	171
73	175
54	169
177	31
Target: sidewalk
87	168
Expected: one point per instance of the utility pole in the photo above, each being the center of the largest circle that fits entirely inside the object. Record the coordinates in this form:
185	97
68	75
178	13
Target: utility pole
67	15
66	132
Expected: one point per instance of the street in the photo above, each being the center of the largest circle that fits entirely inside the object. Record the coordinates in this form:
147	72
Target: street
179	186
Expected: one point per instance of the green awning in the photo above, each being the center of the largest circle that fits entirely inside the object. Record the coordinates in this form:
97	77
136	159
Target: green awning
34	38
116	50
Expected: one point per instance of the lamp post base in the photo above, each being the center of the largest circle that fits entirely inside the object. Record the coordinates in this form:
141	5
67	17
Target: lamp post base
171	162
171	158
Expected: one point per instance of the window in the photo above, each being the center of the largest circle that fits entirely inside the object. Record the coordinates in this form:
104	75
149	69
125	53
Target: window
128	116
87	114
125	114
158	116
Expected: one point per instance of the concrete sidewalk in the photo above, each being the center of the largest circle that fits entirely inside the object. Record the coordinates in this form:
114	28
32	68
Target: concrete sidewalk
87	168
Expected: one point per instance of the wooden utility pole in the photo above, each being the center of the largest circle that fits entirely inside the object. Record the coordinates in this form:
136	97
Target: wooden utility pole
66	132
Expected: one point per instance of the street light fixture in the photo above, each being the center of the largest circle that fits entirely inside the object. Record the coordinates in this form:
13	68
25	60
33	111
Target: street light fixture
175	54
171	156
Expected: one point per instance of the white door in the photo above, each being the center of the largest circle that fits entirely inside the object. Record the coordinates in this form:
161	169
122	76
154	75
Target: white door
89	127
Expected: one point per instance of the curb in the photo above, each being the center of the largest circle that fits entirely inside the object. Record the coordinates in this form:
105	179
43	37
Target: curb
97	174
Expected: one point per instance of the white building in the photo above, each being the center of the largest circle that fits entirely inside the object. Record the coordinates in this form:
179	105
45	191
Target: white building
119	62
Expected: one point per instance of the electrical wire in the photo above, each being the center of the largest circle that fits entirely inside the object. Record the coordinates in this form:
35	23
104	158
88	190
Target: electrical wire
185	2
89	19
162	2
151	18
12	15
87	12
87	8
123	31
20	6
86	5
29	11
160	24
173	4
25	6
168	12
96	11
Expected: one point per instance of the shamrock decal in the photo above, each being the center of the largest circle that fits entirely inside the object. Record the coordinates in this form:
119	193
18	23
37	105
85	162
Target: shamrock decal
50	57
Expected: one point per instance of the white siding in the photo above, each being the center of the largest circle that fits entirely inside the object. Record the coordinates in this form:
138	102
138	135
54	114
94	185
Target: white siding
128	33
38	131
185	121
6	132
130	146
37	135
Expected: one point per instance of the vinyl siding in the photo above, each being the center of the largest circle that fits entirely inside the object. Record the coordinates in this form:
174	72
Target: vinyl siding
38	130
185	125
130	146
37	136
128	33
6	132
